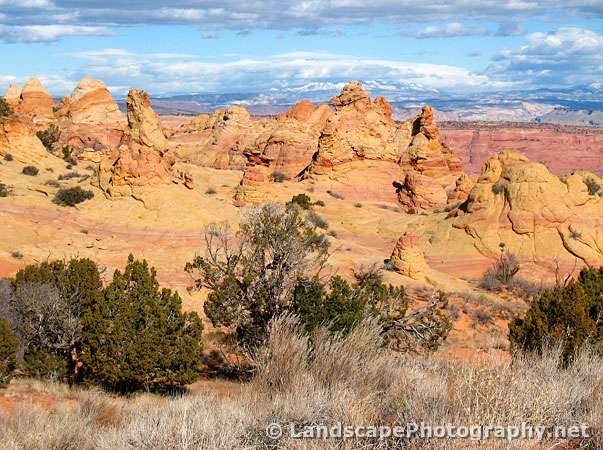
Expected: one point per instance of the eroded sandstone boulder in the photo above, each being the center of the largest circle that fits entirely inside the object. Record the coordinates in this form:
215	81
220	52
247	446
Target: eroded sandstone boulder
35	104
18	139
362	142
90	118
12	95
417	193
143	158
534	214
408	258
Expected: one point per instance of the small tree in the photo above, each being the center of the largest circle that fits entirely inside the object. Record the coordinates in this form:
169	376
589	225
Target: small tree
46	302
252	274
571	315
49	137
136	335
8	352
345	305
5	109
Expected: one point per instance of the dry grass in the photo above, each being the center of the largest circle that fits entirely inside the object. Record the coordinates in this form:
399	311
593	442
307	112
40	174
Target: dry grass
325	380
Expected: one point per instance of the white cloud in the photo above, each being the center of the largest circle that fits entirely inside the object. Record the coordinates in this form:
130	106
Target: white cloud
27	3
565	56
453	29
285	71
47	33
304	15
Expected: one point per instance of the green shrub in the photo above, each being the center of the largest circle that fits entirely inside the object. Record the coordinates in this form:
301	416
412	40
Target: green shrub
251	275
570	315
8	352
72	196
317	220
593	186
68	155
278	177
5	109
8	157
302	200
49	137
345	305
335	195
136	335
4	190
32	171
211	191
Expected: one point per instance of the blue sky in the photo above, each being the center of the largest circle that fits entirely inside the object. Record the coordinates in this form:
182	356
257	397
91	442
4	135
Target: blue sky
454	46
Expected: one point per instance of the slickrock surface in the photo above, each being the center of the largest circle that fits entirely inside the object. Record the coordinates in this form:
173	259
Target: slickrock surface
562	148
142	158
90	118
520	206
35	104
20	140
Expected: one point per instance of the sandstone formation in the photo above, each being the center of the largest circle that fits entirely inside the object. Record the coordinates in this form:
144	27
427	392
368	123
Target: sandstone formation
561	148
408	258
90	118
20	141
419	192
361	142
462	188
143	158
292	142
34	104
286	150
220	139
521	206
13	95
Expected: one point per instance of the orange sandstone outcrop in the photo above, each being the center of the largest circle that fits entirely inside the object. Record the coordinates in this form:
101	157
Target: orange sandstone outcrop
286	149
418	192
522	206
143	158
34	104
220	139
20	140
12	95
361	142
290	145
90	117
408	258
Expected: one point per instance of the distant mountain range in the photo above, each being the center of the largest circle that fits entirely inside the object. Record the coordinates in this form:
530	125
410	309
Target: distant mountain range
576	106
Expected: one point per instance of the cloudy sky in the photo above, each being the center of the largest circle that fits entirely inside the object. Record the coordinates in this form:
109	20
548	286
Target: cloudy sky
456	46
